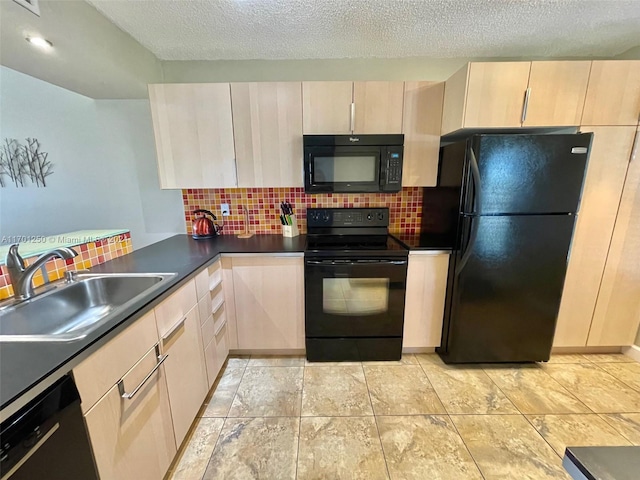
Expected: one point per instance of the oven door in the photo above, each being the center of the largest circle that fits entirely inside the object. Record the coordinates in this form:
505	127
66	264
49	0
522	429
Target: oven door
355	297
342	169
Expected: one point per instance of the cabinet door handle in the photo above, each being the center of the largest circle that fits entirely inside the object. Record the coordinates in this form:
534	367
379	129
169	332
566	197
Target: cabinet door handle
235	169
173	329
352	123
527	95
129	396
217	307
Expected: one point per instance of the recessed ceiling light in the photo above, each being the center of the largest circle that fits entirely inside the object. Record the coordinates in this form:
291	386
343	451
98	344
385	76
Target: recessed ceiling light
39	42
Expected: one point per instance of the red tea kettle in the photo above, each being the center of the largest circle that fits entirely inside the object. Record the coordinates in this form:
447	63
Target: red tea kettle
203	227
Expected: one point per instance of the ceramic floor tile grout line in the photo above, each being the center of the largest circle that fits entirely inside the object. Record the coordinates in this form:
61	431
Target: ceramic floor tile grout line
466	446
375	420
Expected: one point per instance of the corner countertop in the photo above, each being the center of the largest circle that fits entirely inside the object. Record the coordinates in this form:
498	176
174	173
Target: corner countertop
28	368
603	463
421	241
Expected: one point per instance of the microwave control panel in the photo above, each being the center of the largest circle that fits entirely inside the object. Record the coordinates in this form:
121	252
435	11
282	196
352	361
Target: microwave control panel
394	166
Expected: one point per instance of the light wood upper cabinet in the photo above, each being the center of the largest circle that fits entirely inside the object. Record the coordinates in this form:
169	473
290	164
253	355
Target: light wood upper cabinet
331	108
424	301
378	107
269	302
604	181
557	93
133	438
326	107
194	135
185	372
267	126
421	127
485	95
617	312
613	94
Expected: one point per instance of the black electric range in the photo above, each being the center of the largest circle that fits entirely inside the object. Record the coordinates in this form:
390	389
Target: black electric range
355	281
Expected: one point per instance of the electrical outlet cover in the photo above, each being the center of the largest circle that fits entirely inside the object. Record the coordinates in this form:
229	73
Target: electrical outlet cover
224	208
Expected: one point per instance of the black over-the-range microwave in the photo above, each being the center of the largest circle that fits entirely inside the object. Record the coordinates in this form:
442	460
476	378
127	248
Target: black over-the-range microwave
353	163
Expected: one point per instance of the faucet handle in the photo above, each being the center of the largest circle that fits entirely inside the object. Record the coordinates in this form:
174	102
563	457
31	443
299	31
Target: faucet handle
14	260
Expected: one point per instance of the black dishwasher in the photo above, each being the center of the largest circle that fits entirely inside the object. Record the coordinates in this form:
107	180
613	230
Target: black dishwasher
47	439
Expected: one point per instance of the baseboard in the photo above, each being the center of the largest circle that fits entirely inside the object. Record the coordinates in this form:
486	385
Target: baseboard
266	352
418	350
586	350
633	352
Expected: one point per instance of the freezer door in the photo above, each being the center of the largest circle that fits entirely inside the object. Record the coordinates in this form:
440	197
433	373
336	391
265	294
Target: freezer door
503	301
524	174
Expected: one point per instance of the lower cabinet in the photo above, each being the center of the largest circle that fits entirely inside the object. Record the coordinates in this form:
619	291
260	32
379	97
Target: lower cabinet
185	372
269	302
424	300
133	437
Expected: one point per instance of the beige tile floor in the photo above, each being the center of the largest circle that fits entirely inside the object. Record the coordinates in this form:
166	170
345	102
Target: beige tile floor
285	418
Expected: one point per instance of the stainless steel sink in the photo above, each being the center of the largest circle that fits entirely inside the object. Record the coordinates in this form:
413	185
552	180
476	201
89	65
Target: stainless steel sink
71	310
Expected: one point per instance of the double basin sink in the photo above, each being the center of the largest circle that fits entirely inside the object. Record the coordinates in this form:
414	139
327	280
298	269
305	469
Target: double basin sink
71	310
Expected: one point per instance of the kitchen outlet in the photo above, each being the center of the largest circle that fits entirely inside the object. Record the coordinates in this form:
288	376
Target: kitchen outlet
224	208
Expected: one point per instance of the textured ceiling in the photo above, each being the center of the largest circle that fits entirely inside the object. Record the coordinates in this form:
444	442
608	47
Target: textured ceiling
303	29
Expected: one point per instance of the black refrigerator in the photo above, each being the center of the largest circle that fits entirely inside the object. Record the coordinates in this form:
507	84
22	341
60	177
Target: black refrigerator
517	198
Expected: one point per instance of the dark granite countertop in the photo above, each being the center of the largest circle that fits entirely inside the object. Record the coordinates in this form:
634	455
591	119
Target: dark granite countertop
603	463
27	368
417	241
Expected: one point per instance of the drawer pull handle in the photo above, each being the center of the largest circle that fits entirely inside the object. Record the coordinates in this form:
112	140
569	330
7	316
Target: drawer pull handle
217	307
219	329
173	329
217	283
129	396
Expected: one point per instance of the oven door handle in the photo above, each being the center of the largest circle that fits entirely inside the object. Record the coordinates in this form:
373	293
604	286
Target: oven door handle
355	262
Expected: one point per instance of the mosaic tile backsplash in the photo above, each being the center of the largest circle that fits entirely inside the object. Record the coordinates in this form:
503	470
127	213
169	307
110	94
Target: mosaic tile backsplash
263	204
89	255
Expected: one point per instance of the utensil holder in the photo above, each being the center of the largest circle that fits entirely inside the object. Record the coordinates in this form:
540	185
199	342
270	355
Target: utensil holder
291	230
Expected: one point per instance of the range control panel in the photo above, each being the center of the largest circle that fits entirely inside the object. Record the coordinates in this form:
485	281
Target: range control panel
347	217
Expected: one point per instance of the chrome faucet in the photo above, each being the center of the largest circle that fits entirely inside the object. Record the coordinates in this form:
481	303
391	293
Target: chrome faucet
22	276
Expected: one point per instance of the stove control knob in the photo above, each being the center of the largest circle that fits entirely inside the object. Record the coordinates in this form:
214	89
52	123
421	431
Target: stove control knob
369	216
380	216
325	217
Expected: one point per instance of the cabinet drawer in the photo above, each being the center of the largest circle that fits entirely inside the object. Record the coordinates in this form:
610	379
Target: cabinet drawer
216	353
210	303
98	373
208	331
185	372
202	283
175	308
215	274
133	438
222	345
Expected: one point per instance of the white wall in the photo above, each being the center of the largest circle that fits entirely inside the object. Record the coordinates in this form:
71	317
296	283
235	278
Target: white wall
104	162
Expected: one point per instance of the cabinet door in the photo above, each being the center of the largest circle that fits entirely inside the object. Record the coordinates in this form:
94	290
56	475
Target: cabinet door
557	93
603	185
617	312
267	126
98	373
269	301
194	135
495	94
613	94
175	308
326	107
421	127
424	301
133	438
378	107
185	371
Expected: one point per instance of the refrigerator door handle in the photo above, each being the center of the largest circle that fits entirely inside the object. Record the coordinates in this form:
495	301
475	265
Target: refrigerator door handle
473	234
477	187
